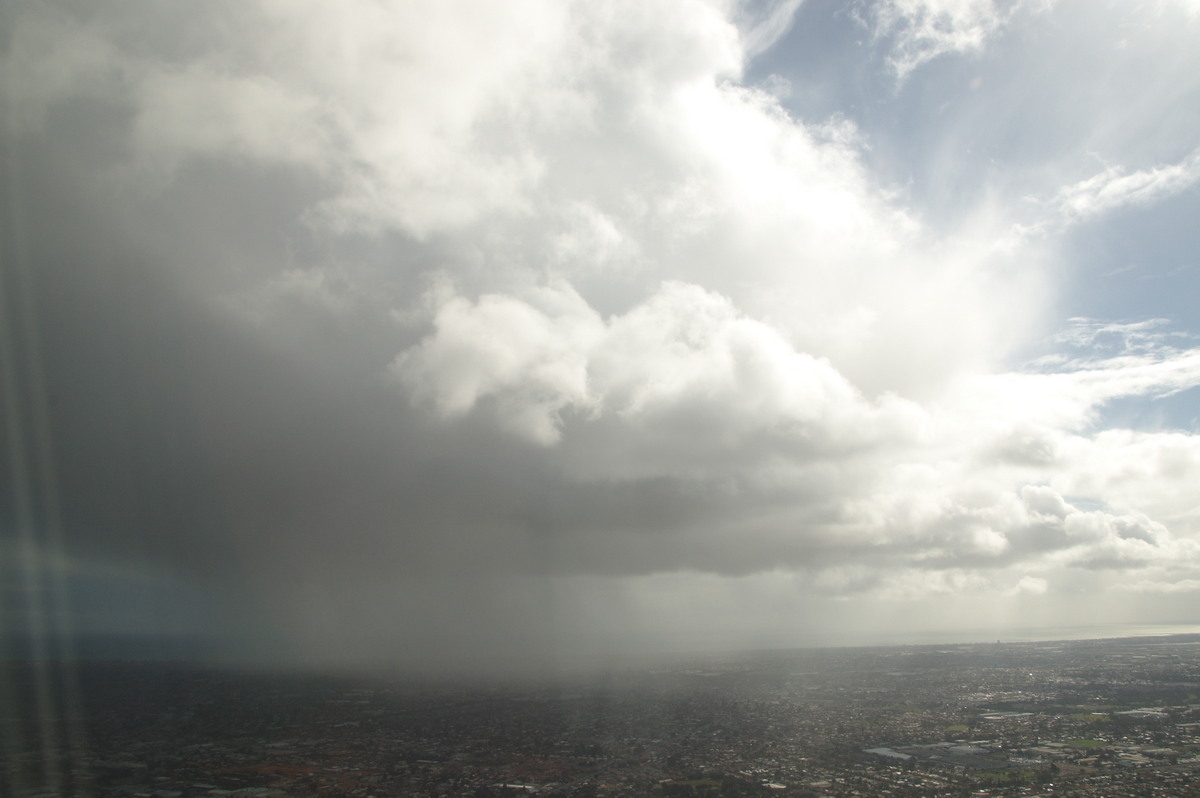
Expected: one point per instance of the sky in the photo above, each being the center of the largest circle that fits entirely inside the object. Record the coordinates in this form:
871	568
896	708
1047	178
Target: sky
463	335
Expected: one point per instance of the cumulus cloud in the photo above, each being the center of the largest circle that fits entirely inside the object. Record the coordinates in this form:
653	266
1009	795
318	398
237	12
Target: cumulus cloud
531	358
685	359
430	324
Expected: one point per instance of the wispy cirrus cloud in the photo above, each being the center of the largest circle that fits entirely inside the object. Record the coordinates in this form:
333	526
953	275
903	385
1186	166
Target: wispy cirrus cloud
1117	188
922	30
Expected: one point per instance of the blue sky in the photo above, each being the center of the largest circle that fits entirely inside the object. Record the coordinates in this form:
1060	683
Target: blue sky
1037	99
583	329
1059	91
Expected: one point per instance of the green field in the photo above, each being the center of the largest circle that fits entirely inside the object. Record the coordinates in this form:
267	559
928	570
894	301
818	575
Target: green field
1091	717
1006	776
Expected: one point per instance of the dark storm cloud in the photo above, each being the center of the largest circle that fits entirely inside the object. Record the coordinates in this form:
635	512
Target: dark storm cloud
396	335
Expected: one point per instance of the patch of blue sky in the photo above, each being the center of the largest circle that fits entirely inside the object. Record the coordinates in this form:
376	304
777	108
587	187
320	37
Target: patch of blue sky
1052	99
1141	262
1177	412
1036	107
825	56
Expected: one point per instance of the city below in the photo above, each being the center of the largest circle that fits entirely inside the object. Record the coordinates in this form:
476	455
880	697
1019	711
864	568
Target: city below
1112	717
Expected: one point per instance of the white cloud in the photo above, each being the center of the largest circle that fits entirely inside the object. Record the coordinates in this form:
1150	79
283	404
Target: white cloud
1113	189
1069	396
683	361
1143	470
609	144
762	30
531	357
199	111
1148	336
1031	585
683	386
752	372
662	275
922	30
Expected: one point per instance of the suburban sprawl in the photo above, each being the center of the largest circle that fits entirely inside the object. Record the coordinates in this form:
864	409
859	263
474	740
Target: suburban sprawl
1111	717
